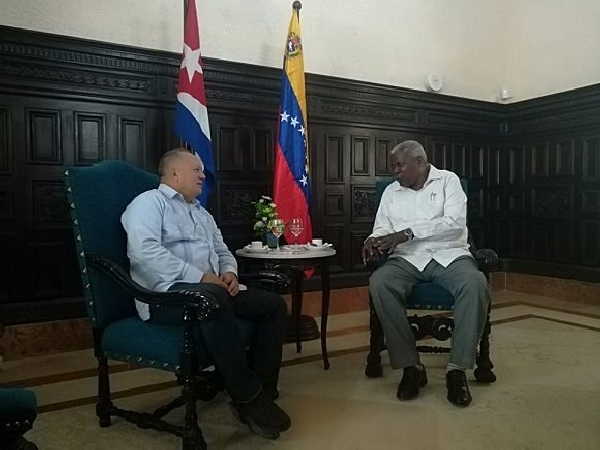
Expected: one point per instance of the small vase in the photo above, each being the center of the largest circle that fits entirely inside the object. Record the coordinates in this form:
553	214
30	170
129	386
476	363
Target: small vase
271	239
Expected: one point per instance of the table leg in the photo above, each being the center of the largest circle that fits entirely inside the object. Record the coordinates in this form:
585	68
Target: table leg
324	311
297	305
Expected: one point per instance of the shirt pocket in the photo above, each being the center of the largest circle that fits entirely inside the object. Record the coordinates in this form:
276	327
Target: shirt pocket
177	232
433	204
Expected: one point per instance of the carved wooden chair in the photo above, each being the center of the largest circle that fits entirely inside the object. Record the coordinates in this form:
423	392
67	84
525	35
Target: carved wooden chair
97	196
431	297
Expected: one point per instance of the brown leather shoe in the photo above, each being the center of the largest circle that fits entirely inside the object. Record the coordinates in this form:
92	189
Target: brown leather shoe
458	389
413	378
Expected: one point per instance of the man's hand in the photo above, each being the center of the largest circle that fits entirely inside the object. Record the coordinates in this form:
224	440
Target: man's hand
213	279
381	245
231	280
369	250
386	244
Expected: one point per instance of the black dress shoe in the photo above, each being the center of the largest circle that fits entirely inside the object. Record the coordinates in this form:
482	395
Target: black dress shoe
458	389
270	389
262	416
413	378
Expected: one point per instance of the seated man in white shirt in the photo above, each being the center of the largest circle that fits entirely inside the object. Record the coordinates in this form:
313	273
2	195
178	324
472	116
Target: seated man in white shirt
173	243
422	224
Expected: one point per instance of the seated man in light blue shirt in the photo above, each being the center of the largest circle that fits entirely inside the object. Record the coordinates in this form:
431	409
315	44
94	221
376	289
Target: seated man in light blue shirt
422	224
173	243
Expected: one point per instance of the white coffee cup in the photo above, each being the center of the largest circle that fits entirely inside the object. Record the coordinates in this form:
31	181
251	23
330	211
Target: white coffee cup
318	242
256	244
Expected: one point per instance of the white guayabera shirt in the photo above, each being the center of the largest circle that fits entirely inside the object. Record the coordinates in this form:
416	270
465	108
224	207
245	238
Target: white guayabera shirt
436	214
170	240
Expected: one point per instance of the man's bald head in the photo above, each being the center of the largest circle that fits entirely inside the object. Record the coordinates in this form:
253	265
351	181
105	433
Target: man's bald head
183	171
170	159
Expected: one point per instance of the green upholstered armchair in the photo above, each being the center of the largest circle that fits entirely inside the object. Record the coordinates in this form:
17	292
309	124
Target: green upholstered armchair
429	296
18	410
97	197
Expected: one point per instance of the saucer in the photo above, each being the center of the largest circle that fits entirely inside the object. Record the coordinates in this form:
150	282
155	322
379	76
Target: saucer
250	249
323	246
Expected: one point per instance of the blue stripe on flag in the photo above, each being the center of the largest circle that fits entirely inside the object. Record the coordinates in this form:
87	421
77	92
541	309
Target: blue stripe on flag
291	140
190	132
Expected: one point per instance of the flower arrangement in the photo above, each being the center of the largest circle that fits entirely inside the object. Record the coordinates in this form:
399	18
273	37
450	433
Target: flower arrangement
266	210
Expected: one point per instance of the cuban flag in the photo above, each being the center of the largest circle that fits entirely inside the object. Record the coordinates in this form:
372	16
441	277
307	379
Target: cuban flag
191	115
291	183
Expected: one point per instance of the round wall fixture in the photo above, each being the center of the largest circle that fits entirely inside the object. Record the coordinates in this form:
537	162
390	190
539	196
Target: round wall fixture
434	82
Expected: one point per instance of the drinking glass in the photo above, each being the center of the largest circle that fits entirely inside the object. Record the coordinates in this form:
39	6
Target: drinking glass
296	227
277	228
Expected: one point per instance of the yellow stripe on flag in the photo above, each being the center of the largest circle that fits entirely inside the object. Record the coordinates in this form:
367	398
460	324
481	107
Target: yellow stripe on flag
294	61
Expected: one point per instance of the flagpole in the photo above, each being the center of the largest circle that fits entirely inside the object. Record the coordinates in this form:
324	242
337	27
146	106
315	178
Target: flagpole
297	6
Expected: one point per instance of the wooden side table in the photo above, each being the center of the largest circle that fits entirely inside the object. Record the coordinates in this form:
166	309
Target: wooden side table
304	327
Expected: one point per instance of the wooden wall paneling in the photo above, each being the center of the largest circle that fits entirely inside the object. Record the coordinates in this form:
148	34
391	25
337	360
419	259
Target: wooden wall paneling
336	234
591	158
383	146
588	232
533	166
6	148
244	151
439	153
361	160
90	137
44	136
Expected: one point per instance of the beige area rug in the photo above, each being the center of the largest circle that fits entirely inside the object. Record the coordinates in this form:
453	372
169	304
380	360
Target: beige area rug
547	397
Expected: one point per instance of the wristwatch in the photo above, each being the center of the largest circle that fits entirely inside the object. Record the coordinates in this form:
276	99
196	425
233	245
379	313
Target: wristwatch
409	234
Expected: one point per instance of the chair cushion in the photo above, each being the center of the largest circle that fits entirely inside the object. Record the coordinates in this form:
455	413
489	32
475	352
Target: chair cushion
158	346
17	404
430	296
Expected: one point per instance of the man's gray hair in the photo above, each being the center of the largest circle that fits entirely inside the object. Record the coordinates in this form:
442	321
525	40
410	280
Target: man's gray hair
167	159
412	149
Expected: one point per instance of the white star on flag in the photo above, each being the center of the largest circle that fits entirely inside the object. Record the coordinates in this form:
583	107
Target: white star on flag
294	121
303	180
301	130
191	61
284	116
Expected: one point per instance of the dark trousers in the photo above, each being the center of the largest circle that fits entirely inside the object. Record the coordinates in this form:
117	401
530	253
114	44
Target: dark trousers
245	372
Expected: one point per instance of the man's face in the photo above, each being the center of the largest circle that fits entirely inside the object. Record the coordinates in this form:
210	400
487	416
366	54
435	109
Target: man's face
406	169
188	176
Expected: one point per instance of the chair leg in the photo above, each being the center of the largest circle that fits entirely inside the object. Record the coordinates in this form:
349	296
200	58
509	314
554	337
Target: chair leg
374	368
17	443
192	435
104	405
483	372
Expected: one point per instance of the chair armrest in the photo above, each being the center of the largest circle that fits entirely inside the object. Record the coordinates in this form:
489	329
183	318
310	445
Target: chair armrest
487	259
267	279
204	304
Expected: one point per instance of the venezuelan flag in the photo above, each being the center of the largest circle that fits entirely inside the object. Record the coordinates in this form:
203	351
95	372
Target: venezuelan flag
291	184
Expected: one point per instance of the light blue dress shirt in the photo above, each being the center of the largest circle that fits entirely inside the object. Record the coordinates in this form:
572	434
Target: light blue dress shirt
170	240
